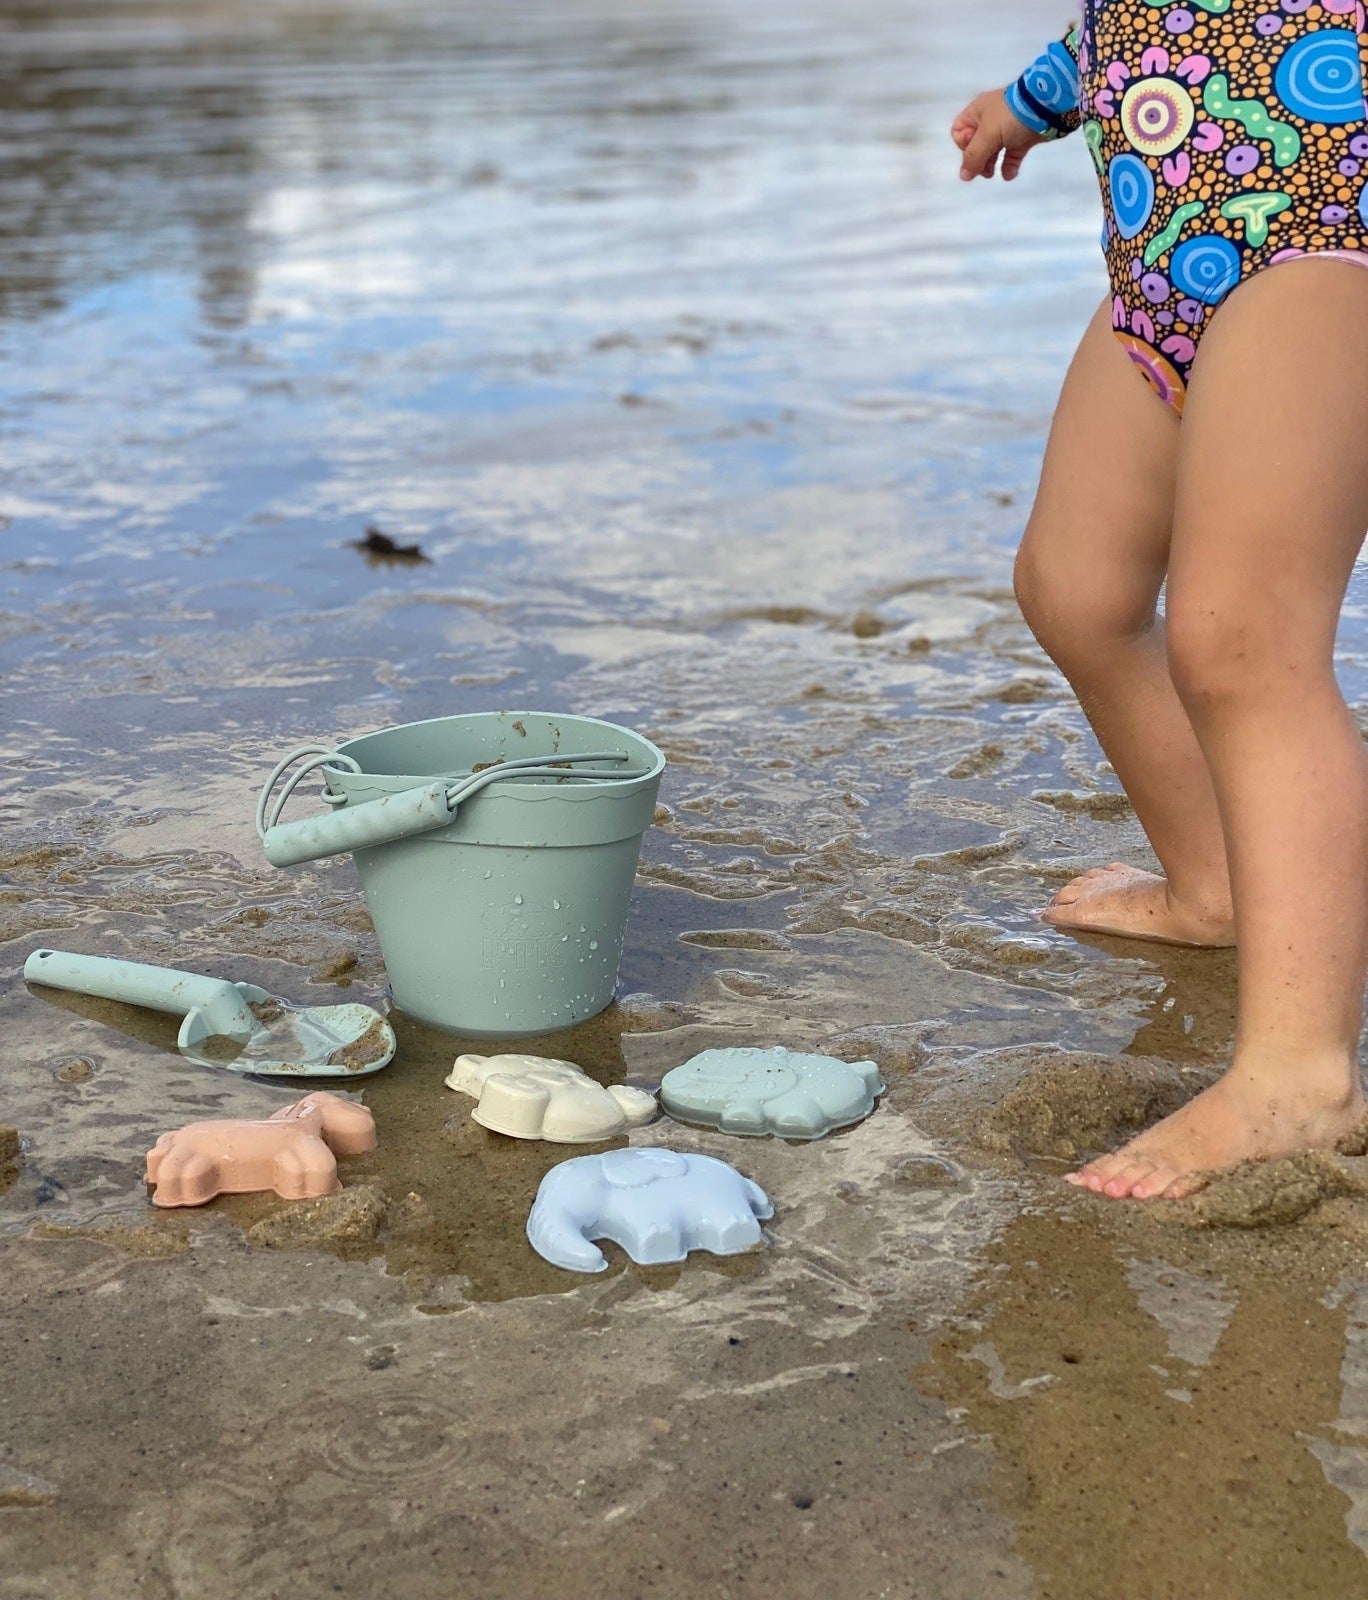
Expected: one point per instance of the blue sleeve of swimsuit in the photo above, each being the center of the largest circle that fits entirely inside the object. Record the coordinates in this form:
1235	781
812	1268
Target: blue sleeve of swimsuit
1045	96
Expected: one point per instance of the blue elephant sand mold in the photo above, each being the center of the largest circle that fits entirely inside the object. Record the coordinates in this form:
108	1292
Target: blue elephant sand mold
778	1091
657	1204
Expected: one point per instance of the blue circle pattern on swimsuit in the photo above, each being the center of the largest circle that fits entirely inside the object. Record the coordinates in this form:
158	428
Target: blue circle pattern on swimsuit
1045	96
1320	78
1207	268
1132	194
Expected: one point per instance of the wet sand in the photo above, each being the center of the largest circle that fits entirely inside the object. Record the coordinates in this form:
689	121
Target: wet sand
714	403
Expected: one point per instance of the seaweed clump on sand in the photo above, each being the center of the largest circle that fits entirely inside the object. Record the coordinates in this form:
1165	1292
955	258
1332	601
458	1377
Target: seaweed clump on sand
10	1154
380	547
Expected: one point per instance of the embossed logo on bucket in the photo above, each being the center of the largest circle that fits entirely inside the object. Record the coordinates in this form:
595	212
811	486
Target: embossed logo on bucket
509	944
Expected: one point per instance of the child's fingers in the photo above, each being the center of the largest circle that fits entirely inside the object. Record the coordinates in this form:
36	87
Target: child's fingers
962	130
1011	163
980	155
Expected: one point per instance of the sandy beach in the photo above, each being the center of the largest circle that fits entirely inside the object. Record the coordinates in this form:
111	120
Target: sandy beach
714	403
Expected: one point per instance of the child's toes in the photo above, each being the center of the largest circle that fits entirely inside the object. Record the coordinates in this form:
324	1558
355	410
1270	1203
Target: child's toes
1129	1179
1075	888
1165	1184
1095	1174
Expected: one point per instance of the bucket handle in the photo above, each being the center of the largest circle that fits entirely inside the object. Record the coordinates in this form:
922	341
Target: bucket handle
396	816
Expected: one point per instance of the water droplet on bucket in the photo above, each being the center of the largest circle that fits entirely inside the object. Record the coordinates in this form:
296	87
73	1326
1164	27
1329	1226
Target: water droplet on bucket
517	899
593	944
555	905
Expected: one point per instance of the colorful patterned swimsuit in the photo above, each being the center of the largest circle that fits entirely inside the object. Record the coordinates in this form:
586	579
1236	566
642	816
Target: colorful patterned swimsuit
1227	134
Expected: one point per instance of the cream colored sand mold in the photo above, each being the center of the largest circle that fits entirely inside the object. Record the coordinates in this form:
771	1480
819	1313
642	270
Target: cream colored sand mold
527	1097
293	1152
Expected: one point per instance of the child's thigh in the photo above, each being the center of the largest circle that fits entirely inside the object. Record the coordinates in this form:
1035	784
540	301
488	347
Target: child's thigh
1272	491
1103	513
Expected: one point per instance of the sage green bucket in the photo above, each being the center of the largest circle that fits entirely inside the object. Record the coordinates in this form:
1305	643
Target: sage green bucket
509	846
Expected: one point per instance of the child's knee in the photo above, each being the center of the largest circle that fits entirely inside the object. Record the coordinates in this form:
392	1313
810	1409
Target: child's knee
1224	649
1043	594
1202	647
1029	582
1077	614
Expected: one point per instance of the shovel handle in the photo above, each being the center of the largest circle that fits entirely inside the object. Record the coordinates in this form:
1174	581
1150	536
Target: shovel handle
157	988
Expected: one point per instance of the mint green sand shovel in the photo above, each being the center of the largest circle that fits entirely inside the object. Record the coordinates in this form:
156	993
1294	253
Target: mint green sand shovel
232	1025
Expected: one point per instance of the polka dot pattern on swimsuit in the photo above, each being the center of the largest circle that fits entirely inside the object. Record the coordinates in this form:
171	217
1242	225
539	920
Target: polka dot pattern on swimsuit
1228	135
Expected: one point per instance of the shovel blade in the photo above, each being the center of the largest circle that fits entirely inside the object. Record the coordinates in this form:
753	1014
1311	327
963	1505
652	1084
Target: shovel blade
347	1041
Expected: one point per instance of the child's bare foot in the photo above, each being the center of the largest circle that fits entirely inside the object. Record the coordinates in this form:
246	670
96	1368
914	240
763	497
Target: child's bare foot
1135	905
1245	1116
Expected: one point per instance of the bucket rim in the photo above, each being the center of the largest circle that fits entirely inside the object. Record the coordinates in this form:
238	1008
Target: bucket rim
510	786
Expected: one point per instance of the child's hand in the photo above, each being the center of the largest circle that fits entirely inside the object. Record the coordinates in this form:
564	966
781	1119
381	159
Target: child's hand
983	129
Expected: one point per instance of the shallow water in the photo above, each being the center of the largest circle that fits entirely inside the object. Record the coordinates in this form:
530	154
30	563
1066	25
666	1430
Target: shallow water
715	403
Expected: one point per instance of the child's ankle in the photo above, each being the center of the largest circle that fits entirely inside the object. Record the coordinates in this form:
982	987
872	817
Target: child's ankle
1290	1075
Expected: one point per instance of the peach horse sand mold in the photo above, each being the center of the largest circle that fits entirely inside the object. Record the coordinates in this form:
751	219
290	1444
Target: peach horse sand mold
293	1152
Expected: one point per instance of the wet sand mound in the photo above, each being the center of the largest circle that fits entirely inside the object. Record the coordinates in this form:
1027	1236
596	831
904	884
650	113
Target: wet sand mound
352	1217
1269	1194
896	1048
1032	1102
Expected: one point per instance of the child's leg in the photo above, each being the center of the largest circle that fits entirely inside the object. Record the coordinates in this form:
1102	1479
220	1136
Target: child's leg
1088	576
1271	510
